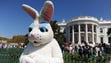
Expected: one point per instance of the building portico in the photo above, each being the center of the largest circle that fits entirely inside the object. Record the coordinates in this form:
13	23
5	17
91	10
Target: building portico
85	29
80	33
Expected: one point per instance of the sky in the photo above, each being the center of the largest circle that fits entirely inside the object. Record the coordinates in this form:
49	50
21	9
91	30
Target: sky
15	21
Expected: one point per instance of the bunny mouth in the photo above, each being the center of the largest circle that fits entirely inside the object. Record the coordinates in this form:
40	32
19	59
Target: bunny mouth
36	42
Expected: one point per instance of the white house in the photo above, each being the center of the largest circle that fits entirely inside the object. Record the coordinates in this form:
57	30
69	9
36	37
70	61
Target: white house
86	29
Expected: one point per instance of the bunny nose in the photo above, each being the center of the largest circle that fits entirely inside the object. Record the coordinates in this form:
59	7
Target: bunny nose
32	34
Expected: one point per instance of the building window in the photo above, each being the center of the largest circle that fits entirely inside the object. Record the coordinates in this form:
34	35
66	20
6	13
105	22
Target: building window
82	38
70	29
82	27
75	28
101	39
64	31
109	31
76	38
95	28
89	37
70	37
101	30
109	40
89	28
95	38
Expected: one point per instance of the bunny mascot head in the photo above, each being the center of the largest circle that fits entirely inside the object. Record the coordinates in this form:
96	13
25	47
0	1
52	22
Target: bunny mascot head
42	47
40	32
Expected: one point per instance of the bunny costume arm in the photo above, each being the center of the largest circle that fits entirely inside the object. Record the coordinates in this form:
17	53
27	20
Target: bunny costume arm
26	59
56	52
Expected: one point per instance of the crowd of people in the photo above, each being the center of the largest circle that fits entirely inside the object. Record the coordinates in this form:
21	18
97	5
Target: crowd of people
7	45
85	50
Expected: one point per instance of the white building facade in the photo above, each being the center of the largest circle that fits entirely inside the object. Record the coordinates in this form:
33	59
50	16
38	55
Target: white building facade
86	29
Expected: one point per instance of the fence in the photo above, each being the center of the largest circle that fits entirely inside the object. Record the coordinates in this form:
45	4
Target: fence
12	55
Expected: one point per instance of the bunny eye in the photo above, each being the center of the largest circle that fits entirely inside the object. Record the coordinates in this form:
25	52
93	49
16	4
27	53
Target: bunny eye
30	29
43	29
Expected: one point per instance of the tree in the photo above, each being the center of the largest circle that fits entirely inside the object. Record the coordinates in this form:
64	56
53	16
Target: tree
109	34
3	38
20	39
57	34
109	31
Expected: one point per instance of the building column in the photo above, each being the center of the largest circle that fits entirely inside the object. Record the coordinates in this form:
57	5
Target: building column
96	35
68	33
86	30
73	35
93	33
79	34
105	39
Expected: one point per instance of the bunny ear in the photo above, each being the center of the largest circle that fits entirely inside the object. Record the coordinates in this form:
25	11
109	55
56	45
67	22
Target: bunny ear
31	11
47	11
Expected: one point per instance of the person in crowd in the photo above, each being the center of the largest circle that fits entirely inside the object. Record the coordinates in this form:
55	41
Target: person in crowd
80	50
0	45
70	49
62	48
76	48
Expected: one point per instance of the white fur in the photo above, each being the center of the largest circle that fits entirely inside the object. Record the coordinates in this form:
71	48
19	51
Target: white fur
42	47
49	53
